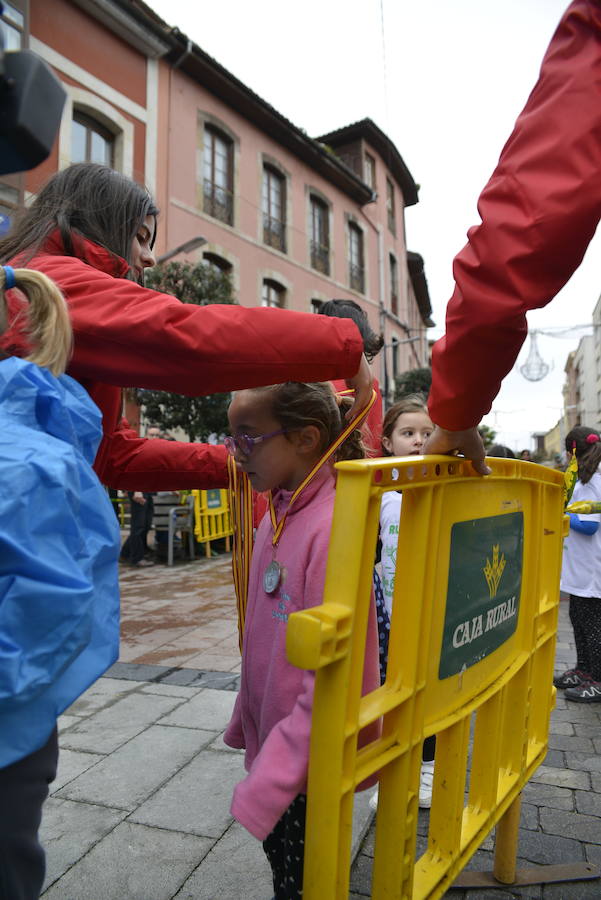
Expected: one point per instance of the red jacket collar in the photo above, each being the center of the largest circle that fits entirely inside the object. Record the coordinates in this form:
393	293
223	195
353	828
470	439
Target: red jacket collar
92	254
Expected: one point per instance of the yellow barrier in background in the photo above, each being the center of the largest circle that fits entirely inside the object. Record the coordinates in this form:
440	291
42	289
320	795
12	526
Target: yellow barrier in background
471	658
212	518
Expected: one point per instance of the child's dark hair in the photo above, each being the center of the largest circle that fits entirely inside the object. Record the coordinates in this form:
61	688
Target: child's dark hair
587	442
295	405
408	403
500	450
348	309
85	199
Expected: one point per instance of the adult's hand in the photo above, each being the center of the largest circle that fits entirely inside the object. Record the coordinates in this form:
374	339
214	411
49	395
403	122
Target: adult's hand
362	384
468	443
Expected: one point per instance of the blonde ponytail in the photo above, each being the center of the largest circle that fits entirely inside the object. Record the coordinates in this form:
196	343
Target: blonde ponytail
48	327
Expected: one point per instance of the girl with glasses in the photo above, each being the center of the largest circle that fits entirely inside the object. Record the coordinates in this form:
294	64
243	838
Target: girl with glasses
280	436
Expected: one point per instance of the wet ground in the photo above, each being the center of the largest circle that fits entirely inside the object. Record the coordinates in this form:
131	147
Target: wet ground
181	615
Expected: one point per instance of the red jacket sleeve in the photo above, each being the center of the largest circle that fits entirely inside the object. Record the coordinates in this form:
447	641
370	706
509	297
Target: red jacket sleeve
131	336
539	212
129	462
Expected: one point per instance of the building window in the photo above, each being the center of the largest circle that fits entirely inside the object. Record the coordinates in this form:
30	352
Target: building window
216	262
356	264
320	236
395	357
316	306
274	209
390	205
218	176
273	294
394	286
369	171
12	22
91	141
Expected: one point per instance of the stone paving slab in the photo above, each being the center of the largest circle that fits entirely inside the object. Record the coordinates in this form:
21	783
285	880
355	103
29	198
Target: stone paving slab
133	862
197	799
122	782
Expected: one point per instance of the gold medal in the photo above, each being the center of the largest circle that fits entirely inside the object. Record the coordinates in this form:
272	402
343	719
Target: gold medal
271	576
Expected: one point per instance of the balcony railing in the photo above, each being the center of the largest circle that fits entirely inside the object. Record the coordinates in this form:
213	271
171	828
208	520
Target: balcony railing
274	233
320	257
218	202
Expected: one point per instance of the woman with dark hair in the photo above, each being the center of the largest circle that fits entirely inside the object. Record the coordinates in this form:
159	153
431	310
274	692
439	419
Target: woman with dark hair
581	572
92	230
372	344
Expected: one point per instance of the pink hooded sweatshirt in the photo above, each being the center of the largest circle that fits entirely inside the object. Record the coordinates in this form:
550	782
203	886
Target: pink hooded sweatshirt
272	715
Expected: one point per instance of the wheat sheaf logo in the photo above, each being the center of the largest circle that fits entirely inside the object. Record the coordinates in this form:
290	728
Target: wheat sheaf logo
494	571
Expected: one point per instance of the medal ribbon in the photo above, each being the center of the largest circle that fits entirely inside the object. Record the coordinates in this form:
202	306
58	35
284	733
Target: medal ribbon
241	509
278	527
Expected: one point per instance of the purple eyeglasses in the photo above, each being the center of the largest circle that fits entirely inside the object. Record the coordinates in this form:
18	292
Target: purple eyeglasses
246	444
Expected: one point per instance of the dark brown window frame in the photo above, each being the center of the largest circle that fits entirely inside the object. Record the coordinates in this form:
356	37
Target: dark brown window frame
394	284
278	289
390	206
356	259
93	126
274	228
218	201
320	237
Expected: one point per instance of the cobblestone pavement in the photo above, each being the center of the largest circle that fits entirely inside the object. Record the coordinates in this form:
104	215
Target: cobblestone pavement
561	805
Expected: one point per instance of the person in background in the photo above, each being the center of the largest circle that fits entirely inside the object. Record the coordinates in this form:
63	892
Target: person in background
538	214
59	593
526	455
135	550
581	572
405	430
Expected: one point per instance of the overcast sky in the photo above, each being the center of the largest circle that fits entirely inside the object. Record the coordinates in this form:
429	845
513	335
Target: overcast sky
445	79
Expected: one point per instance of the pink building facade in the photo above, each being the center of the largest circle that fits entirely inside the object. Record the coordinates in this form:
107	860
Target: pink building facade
296	221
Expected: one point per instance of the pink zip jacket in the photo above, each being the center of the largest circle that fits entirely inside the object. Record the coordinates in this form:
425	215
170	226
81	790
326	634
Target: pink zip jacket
272	715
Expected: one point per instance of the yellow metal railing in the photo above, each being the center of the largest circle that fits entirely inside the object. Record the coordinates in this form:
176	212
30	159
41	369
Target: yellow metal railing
212	518
470	660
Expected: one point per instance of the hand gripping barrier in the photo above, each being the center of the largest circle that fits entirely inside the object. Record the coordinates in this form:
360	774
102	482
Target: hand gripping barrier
470	660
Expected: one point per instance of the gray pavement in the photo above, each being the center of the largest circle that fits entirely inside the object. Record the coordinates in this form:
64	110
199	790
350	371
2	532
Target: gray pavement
140	808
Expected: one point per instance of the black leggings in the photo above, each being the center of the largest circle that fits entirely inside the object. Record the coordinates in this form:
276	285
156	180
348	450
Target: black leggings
285	850
585	616
23	789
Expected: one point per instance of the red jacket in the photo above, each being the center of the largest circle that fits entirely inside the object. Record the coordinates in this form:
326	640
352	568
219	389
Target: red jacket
539	212
126	335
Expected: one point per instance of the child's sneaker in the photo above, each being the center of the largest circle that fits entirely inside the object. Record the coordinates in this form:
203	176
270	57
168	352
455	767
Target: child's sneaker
426	780
589	692
571	678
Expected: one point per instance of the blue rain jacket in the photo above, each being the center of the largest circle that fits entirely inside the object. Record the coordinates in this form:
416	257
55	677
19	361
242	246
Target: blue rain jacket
59	543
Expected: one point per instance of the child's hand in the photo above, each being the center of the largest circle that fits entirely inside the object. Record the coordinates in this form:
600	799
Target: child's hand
468	443
361	383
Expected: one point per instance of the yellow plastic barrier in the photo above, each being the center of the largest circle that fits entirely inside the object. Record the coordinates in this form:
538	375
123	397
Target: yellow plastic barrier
212	518
470	660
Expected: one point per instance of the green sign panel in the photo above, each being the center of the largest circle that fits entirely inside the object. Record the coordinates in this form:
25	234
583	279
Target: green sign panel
213	498
483	594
